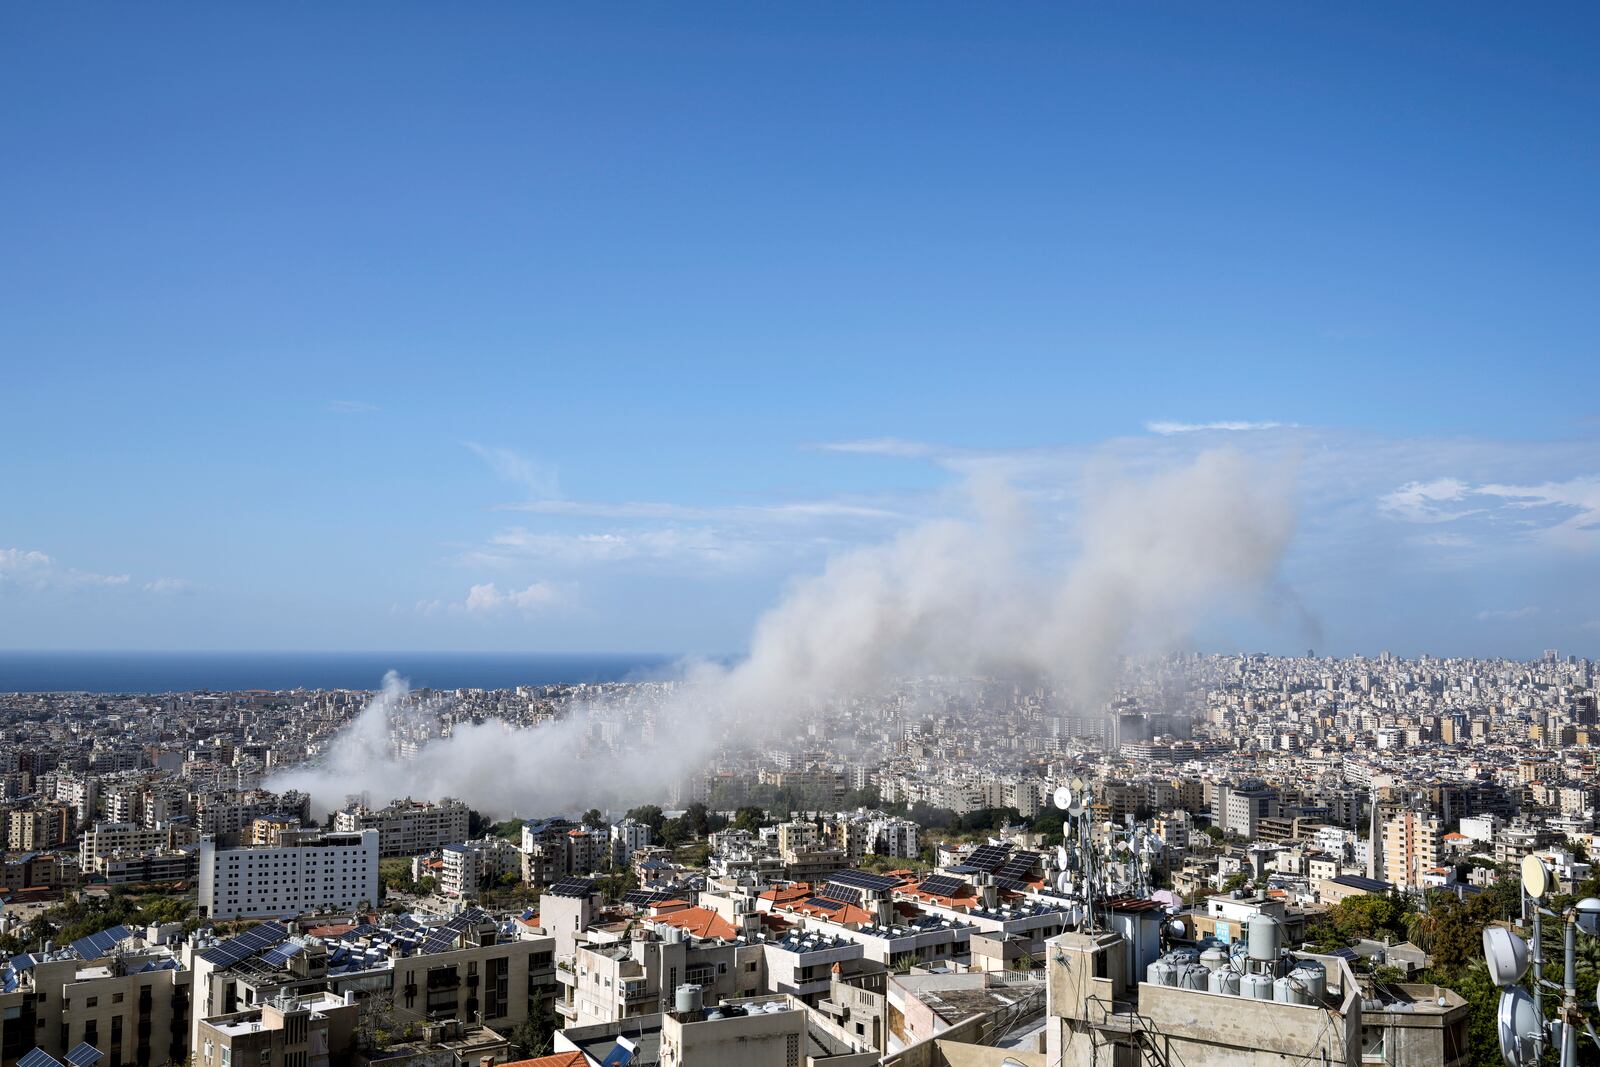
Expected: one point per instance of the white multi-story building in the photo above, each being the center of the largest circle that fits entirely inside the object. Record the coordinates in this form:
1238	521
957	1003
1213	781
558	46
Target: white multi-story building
108	839
307	873
467	866
408	827
628	837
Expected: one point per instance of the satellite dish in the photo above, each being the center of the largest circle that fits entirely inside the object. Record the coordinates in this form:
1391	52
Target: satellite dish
1063	857
1507	955
1520	1027
1080	796
1063	798
1535	877
1588	910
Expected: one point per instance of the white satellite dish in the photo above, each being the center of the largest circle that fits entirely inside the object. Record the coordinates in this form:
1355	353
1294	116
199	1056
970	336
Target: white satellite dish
1507	956
1063	857
1588	910
1535	877
1080	796
1520	1027
1063	798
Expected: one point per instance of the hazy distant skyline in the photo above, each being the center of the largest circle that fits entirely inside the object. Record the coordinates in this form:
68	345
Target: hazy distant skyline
542	328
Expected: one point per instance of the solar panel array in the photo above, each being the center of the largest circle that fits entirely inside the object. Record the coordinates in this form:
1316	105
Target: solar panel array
280	955
1011	885
96	945
643	898
1019	865
835	891
941	885
444	938
811	902
572	887
871	883
38	1058
254	940
84	1054
988	857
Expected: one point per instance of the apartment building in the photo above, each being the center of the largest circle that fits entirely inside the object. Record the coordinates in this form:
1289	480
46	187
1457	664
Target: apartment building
315	872
38	826
1412	846
408	827
106	840
469	866
132	1004
304	1031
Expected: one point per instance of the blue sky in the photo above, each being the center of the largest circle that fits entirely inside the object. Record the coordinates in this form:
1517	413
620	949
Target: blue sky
315	319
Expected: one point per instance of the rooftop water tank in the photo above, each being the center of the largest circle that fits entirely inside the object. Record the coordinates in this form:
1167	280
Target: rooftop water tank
1313	978
1265	938
688	998
1213	959
1181	956
1286	990
1192	976
1255	987
1161	973
1223	981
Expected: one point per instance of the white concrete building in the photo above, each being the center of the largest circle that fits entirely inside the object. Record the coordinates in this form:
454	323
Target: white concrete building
313	872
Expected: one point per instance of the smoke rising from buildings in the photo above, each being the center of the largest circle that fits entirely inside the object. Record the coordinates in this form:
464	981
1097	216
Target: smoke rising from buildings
1144	561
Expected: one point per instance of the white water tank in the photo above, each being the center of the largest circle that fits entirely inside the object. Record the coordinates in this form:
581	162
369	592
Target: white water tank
1161	973
1181	956
688	998
1265	938
1286	990
1255	987
1192	976
1223	981
1313	978
1213	959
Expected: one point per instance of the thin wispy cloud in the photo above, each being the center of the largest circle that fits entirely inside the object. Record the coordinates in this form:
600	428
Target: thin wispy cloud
881	446
1426	501
661	510
1167	428
1506	614
1561	513
535	476
486	598
38	570
169	586
351	407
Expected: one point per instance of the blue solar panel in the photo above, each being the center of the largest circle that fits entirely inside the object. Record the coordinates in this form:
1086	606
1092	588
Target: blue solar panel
38	1058
620	1056
282	954
941	886
824	903
96	945
988	857
246	944
872	883
84	1054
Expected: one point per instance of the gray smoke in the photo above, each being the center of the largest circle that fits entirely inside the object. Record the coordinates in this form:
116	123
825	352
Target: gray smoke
1147	558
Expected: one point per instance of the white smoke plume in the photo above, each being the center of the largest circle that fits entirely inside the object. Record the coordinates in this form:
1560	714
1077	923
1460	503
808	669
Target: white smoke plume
1147	559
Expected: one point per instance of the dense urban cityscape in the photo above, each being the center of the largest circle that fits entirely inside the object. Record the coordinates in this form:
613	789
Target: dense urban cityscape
896	877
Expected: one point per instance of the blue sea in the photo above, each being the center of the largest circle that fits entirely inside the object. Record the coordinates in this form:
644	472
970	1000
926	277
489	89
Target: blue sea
178	672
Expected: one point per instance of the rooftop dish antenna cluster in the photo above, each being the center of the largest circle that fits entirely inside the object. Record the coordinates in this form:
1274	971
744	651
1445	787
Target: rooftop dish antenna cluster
1524	1031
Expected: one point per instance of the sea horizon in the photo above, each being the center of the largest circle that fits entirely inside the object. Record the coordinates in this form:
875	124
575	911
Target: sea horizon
144	672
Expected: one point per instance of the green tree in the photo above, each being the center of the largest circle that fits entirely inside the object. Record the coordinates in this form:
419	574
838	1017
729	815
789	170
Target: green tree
651	816
749	818
594	819
1369	915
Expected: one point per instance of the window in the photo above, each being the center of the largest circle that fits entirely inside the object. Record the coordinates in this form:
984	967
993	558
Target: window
91	1002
